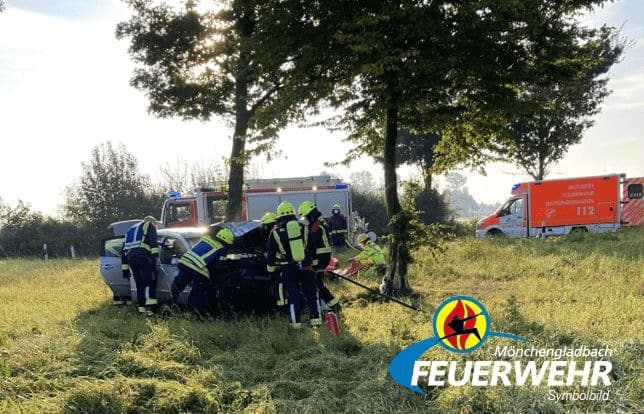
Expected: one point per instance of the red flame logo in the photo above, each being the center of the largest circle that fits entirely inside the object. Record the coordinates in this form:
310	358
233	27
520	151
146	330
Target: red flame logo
460	311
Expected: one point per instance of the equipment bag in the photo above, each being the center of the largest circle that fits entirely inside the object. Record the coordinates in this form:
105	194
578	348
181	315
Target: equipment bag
295	240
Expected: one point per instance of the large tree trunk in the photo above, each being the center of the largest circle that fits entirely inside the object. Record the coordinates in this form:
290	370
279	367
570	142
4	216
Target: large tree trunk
541	172
396	278
238	155
427	178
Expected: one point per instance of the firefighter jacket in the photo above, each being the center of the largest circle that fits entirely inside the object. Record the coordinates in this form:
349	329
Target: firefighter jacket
284	244
337	229
202	254
318	242
371	255
141	239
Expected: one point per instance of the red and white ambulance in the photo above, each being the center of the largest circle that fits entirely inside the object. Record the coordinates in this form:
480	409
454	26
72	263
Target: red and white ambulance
208	205
556	207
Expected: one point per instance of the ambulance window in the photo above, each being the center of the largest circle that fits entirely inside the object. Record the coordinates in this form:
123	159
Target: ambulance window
504	210
517	206
635	191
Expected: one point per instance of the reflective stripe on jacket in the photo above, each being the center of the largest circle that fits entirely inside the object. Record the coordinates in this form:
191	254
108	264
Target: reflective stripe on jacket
142	236
319	245
278	249
202	254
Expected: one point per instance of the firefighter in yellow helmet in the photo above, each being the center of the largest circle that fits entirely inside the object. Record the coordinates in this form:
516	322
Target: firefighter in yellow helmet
371	254
268	222
286	251
319	248
194	267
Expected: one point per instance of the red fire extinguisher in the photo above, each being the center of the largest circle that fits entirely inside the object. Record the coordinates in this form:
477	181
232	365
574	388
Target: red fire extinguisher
331	323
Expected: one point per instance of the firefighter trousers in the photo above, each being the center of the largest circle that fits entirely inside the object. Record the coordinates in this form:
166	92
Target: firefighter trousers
298	282
144	273
198	300
323	291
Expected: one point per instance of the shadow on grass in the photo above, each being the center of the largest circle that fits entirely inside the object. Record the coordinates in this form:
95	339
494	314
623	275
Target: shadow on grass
259	364
253	363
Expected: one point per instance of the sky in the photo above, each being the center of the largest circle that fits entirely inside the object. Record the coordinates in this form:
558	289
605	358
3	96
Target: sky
64	88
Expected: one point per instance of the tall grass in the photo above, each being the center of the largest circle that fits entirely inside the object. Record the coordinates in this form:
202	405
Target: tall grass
65	348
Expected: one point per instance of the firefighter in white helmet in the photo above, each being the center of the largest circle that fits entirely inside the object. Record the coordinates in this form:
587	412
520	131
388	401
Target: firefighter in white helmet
337	228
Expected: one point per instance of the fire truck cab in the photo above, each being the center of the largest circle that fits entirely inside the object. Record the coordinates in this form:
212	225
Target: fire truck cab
558	207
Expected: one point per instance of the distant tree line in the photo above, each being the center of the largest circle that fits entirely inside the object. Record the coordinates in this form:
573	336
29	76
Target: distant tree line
111	188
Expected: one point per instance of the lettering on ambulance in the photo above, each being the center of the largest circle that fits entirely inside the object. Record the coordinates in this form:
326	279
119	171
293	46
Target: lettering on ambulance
511	218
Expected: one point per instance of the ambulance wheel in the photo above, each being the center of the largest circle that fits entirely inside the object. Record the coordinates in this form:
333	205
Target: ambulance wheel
495	233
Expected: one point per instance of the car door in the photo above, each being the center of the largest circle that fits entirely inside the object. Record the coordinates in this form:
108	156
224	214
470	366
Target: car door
171	248
110	267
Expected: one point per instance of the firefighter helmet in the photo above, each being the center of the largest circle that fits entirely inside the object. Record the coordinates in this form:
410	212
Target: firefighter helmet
305	208
335	207
269	218
225	236
285	209
362	238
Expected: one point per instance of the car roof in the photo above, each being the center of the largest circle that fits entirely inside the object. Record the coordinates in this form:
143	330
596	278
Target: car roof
186	232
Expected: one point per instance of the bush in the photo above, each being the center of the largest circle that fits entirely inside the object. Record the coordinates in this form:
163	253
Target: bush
371	206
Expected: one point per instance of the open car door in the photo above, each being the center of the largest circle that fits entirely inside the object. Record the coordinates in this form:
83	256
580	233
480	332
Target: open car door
110	268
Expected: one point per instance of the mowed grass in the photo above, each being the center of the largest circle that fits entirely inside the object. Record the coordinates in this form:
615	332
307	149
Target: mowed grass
65	348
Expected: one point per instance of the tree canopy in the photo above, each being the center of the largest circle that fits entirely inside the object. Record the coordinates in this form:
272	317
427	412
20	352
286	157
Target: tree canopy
557	115
234	63
110	189
458	69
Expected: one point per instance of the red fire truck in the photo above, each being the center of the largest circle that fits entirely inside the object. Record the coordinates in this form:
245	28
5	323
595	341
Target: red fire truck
208	205
555	207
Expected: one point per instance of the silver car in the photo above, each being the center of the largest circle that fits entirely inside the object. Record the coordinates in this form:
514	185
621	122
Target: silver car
242	280
173	243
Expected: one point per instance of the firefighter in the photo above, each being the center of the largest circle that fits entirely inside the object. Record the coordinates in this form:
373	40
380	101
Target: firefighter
319	249
193	267
337	227
286	251
371	254
268	224
140	251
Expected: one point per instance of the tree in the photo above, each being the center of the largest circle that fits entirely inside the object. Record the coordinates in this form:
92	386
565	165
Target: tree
455	181
186	177
362	181
370	205
558	114
233	63
418	150
110	189
441	67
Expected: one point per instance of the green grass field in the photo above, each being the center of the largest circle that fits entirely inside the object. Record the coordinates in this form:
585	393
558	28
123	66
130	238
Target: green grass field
65	348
